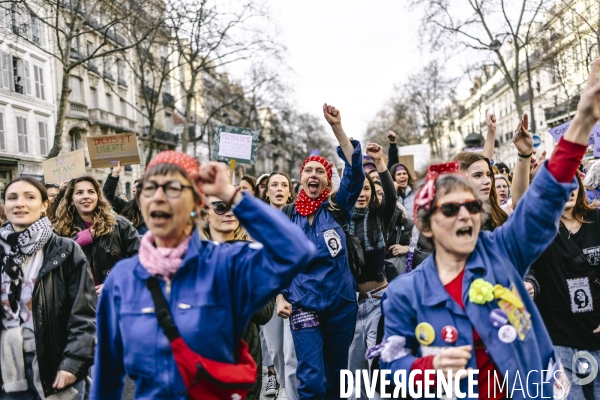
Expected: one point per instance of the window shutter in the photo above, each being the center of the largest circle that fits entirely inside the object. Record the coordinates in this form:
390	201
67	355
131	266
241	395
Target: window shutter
43	138
5	70
25	135
41	77
27	78
2	135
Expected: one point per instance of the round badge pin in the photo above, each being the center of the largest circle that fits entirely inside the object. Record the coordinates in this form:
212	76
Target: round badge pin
425	333
507	334
449	334
498	318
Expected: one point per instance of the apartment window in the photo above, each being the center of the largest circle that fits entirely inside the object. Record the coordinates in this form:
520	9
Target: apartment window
123	108
169	122
167	86
75	94
120	74
2	134
93	98
21	74
109	102
22	134
38	76
43	132
76	142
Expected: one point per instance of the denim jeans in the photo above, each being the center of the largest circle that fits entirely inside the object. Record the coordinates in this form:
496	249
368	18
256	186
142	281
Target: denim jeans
589	391
365	337
31	393
280	343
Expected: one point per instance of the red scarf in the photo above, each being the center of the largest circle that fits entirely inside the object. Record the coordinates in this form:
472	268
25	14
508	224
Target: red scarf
306	206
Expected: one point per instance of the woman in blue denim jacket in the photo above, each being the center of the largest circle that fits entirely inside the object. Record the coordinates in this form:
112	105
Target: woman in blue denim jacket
322	298
212	289
472	286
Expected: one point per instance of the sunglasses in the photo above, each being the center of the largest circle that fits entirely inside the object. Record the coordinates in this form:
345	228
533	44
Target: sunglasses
219	207
452	209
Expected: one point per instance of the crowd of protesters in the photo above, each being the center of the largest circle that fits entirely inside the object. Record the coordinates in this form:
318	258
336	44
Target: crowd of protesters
193	286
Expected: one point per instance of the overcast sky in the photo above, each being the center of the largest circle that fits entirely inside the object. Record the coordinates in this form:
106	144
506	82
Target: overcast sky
348	53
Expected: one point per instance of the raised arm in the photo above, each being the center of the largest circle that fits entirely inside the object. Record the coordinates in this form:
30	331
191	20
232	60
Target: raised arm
392	151
490	139
110	187
375	152
334	118
543	203
523	142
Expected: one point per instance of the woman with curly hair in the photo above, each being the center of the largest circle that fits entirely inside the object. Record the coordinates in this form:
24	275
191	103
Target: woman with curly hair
86	216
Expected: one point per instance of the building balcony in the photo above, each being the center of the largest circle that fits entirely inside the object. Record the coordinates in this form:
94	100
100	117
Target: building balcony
121	82
109	120
168	99
170	139
108	76
77	110
92	68
559	111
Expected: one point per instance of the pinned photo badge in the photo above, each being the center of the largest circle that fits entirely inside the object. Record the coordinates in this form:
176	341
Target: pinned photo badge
425	333
333	242
449	334
507	334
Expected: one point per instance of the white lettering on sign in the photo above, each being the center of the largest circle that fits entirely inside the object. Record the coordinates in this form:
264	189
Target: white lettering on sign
232	145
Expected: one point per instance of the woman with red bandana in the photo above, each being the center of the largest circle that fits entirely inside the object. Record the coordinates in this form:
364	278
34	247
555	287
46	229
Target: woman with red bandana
321	300
466	307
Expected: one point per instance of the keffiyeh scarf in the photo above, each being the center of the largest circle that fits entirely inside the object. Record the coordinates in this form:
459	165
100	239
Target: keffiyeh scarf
15	248
364	214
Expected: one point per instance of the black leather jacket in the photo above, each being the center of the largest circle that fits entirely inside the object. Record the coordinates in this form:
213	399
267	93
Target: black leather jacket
64	312
107	250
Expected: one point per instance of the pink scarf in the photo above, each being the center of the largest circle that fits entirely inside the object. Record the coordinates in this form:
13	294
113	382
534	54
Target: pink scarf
161	261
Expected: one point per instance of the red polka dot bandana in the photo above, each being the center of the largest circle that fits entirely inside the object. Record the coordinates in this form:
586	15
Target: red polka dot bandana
306	206
184	161
426	194
322	161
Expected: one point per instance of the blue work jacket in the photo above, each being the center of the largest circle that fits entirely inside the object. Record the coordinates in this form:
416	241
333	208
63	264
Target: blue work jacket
500	257
327	275
212	297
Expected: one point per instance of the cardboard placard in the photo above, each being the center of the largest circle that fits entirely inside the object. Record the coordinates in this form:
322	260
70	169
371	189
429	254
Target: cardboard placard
421	153
409	162
65	167
234	143
107	150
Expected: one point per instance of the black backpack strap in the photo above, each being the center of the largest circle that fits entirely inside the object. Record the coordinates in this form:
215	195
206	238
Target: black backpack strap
161	307
288	209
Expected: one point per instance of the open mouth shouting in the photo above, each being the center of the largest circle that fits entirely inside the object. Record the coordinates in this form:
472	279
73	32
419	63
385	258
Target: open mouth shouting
465	233
160	217
313	187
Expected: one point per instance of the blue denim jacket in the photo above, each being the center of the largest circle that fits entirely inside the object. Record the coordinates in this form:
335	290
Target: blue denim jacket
326	275
500	257
212	297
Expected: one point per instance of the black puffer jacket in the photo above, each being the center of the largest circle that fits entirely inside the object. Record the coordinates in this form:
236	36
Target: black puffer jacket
107	250
64	312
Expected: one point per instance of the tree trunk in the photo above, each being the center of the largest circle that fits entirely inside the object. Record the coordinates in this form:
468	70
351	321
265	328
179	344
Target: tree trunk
530	88
185	135
60	118
151	140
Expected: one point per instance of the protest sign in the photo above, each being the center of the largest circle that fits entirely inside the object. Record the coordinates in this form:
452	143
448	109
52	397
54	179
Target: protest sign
233	143
108	150
559	131
65	167
421	153
596	136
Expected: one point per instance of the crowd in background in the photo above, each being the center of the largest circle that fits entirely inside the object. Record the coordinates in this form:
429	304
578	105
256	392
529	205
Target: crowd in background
365	267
